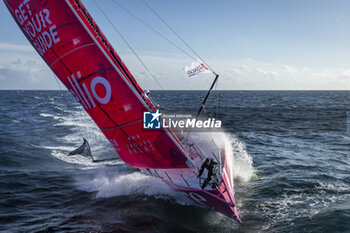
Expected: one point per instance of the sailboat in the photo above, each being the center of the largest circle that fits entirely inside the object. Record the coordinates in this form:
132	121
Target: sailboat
72	45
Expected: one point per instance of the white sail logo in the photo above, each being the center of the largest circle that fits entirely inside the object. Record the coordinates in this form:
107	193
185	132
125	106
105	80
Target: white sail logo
83	95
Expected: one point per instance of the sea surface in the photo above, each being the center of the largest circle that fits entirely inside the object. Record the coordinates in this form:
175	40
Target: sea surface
291	166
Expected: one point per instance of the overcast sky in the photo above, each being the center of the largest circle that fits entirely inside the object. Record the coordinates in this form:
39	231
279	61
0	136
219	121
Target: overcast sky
253	45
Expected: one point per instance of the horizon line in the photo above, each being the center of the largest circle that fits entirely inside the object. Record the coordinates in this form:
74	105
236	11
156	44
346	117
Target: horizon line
196	90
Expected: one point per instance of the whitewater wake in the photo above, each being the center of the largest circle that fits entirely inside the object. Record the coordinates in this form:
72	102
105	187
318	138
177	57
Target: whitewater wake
113	178
113	181
109	182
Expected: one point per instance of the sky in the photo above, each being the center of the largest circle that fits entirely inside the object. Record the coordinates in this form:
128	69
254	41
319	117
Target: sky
252	45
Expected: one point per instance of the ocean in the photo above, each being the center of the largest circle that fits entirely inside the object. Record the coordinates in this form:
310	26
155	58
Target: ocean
291	166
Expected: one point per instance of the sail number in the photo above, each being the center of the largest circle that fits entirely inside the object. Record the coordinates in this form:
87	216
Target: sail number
84	95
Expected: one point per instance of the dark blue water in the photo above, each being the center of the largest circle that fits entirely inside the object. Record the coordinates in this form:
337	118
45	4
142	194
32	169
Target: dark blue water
298	144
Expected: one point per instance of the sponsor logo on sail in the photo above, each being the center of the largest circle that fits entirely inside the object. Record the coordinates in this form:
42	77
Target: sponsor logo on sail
84	95
37	25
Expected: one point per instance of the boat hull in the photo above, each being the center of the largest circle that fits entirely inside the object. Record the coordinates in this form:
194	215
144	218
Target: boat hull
70	42
220	199
211	199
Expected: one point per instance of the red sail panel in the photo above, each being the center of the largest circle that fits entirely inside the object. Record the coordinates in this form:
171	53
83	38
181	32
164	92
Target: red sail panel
69	41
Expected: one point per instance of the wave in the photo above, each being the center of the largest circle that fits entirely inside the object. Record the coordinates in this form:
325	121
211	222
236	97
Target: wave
116	181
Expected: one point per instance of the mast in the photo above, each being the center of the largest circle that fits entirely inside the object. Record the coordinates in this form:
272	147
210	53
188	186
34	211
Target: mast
167	39
205	99
208	93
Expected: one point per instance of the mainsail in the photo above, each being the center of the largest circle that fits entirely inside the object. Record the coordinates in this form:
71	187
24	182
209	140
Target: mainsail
72	45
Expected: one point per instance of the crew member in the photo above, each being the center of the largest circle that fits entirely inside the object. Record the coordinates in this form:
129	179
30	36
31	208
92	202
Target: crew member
211	166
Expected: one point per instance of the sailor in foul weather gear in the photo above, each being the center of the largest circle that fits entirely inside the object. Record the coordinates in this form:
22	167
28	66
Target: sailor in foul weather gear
212	168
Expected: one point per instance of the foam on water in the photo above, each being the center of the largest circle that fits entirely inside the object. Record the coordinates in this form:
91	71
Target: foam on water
306	205
85	162
242	162
115	181
236	153
109	182
47	115
100	150
304	185
100	147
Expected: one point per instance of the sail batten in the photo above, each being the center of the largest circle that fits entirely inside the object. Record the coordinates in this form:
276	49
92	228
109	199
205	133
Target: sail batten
79	54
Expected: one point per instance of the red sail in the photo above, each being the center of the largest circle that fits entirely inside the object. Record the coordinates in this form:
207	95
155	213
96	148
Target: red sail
72	45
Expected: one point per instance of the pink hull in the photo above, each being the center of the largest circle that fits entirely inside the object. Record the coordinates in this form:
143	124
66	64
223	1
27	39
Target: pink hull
211	199
72	45
220	199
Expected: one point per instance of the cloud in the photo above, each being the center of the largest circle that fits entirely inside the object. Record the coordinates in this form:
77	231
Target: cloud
22	70
10	75
242	74
16	47
249	74
26	74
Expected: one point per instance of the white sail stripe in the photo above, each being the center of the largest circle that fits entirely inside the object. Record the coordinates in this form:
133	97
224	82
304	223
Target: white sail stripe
88	94
75	91
81	92
70	52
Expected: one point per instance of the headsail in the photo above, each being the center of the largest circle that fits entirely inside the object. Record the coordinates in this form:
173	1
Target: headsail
72	45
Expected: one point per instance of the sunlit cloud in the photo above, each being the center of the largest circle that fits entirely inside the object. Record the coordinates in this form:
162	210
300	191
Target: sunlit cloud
16	47
22	70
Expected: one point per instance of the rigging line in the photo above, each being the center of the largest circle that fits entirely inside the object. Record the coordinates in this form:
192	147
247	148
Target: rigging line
178	36
154	30
170	28
136	56
70	110
126	42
